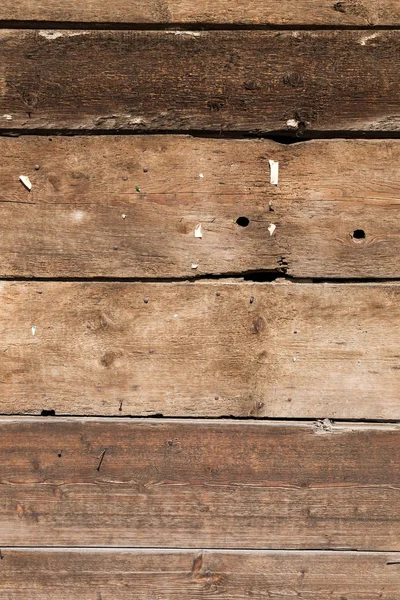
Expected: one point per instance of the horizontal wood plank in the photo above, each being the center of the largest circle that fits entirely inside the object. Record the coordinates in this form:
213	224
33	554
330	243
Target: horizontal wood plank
180	575
199	484
204	349
211	80
129	207
255	12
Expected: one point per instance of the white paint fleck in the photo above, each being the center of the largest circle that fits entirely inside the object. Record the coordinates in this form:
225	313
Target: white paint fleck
294	359
50	35
53	34
367	38
197	232
201	175
274	172
271	229
194	266
136	121
175	316
292	123
123	216
7	117
189	33
26	182
34	330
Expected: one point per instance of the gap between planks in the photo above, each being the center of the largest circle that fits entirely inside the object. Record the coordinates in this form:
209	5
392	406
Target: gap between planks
158	550
322	426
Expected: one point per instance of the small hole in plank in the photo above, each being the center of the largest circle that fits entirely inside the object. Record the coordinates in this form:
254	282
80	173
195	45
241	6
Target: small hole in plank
243	221
358	234
48	413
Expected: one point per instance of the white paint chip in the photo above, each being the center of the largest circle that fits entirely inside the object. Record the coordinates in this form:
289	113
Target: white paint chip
34	330
294	360
189	33
50	35
26	182
271	229
367	38
292	123
194	266
201	175
197	232
123	216
7	117
274	172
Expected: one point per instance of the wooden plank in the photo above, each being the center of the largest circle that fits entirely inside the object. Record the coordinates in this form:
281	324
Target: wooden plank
204	349
230	484
211	80
254	12
72	222
134	575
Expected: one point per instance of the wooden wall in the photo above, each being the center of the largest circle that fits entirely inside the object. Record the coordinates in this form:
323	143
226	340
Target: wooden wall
200	369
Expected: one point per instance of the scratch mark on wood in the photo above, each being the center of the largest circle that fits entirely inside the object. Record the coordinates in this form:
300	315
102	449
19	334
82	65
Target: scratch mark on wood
101	457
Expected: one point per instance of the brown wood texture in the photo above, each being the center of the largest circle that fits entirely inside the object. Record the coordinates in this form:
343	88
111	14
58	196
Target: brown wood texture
209	80
204	349
84	216
134	575
199	484
300	12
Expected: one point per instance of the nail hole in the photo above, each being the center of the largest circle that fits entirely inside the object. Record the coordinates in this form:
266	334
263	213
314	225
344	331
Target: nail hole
59	455
48	413
358	234
243	221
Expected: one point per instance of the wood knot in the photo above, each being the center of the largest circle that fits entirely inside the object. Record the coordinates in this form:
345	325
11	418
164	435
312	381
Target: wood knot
293	80
107	359
259	324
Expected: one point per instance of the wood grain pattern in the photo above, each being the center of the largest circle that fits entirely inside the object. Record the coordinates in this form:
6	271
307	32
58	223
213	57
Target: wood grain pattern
256	12
180	575
204	349
215	80
84	216
199	484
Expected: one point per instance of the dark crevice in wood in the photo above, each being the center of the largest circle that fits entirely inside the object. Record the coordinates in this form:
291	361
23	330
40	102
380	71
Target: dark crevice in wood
250	276
182	26
319	421
160	549
281	137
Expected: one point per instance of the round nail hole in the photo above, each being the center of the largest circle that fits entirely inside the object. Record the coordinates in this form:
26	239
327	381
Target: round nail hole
243	221
358	234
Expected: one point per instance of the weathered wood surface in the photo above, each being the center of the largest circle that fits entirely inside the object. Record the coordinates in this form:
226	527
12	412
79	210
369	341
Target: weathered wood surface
212	80
84	216
256	12
180	575
198	484
203	349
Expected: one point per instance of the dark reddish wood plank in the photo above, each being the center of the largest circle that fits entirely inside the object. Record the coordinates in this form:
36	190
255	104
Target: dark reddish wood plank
211	80
221	484
134	575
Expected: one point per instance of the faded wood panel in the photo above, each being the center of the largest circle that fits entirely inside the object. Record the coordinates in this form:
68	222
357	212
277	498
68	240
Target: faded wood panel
134	575
215	80
199	484
204	349
129	207
256	12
